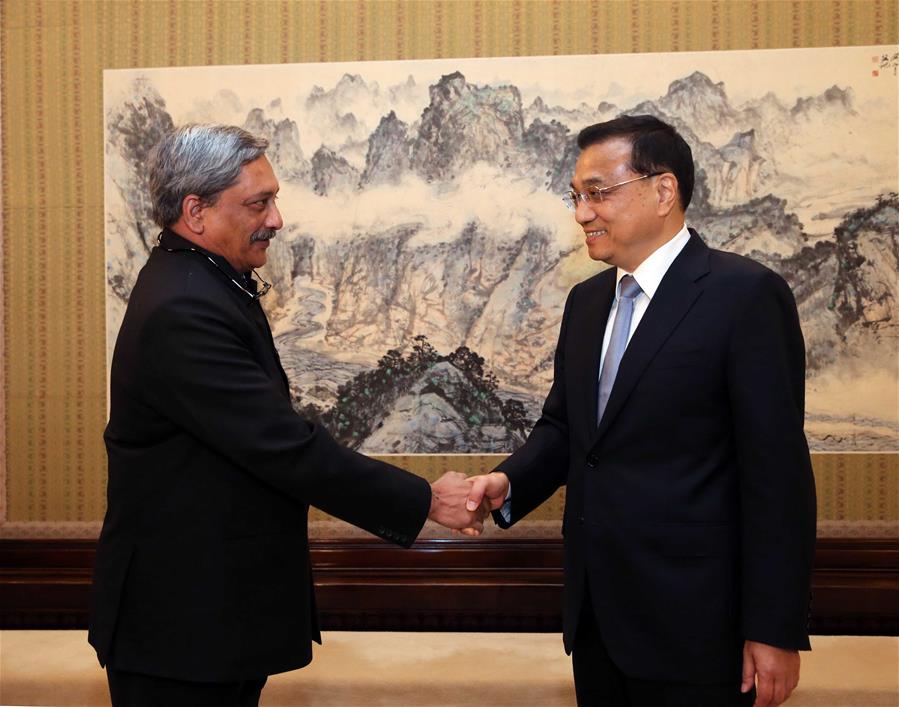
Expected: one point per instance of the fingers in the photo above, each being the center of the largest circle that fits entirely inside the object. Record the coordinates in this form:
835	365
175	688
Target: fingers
776	670
764	691
771	691
780	693
449	496
476	493
463	503
748	671
490	488
470	532
477	526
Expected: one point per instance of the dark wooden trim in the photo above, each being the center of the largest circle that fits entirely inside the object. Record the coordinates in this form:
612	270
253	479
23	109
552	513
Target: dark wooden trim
855	587
445	585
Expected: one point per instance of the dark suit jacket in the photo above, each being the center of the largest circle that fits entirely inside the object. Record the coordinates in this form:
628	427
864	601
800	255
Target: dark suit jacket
203	568
690	511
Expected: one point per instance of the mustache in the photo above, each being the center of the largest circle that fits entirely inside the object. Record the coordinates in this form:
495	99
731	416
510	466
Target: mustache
263	234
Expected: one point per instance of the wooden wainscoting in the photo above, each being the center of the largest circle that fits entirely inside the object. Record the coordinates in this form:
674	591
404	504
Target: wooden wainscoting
445	585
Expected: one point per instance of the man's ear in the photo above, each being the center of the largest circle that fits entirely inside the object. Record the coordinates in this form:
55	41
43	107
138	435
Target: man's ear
666	188
192	213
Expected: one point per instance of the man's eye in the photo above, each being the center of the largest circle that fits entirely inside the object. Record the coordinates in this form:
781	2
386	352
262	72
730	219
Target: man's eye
264	203
594	193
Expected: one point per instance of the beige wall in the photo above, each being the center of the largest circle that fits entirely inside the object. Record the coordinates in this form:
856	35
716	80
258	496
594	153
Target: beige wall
53	54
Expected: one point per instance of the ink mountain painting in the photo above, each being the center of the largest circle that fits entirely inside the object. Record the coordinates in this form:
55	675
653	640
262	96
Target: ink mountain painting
420	277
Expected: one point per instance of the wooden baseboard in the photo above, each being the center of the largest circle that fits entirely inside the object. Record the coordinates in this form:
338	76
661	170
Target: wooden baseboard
445	585
855	587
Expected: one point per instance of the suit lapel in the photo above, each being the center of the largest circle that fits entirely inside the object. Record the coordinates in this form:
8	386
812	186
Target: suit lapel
680	288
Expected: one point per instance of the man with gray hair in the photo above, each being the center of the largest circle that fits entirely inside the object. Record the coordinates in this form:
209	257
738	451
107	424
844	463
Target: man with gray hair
203	586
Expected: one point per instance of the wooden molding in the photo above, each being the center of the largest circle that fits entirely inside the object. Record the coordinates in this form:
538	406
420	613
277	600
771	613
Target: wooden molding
445	585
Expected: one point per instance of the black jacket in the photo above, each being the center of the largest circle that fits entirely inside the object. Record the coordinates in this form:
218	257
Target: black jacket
690	511
203	568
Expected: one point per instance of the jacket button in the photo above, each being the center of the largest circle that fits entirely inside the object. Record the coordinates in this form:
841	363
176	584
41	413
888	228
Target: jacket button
592	460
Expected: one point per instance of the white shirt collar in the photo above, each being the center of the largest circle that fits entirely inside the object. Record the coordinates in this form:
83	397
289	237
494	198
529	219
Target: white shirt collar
650	272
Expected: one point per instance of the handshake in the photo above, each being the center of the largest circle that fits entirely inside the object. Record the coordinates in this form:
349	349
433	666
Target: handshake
463	502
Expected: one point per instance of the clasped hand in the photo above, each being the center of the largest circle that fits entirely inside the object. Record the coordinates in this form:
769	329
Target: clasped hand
462	503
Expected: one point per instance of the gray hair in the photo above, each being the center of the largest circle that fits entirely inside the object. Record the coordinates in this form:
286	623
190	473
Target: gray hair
198	159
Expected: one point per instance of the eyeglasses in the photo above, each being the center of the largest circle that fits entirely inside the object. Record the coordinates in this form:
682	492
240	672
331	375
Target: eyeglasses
260	291
596	195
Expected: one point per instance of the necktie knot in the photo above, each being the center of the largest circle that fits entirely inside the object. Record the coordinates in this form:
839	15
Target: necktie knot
628	288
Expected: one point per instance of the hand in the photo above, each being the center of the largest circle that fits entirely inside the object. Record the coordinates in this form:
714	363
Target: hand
448	504
777	670
490	488
488	492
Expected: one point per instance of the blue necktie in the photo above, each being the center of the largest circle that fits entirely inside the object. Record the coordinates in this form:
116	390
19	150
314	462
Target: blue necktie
628	291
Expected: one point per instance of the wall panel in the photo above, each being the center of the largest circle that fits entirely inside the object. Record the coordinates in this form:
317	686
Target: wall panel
52	53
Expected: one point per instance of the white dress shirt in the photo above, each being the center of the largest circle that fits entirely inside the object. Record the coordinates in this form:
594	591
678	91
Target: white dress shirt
648	275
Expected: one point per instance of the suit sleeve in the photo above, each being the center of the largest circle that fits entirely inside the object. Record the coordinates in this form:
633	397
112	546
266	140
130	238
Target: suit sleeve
540	466
204	378
766	384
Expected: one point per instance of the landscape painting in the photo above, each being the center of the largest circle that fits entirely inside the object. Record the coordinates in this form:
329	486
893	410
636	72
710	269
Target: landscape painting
421	274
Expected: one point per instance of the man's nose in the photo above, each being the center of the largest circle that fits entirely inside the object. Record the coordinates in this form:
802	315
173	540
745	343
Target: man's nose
273	219
583	212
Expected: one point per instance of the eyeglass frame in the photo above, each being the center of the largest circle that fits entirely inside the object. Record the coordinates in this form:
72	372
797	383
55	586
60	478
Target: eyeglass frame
595	195
260	292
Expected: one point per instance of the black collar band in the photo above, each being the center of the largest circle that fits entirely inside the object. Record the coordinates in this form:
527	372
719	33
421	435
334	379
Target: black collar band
266	286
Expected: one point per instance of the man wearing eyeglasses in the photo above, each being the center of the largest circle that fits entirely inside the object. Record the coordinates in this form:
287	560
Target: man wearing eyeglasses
675	421
202	586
